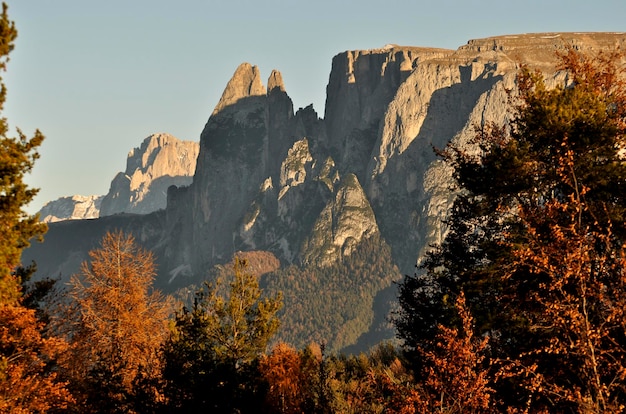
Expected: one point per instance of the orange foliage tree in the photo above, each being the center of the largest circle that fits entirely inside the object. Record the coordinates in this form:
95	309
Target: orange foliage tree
283	371
28	381
456	378
115	323
581	302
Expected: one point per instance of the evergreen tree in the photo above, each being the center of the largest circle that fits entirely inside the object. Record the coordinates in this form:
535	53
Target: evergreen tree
28	381
17	157
564	147
211	358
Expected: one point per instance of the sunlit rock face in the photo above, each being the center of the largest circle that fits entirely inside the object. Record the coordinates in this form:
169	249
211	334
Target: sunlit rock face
161	161
71	208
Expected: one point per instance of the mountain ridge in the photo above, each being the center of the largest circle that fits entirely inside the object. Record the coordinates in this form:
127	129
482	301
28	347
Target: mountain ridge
160	161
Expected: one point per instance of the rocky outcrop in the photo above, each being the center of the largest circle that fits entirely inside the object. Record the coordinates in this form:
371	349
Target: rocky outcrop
231	167
161	161
360	87
344	222
71	208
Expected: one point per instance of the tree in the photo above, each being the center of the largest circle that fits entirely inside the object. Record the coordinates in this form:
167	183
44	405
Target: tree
282	369
561	153
456	378
581	303
28	381
212	354
115	324
17	157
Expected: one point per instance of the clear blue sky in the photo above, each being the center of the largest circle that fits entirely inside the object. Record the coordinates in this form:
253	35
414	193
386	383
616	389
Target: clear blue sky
97	77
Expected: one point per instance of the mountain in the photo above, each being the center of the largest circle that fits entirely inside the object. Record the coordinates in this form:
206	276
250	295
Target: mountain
76	207
346	203
161	161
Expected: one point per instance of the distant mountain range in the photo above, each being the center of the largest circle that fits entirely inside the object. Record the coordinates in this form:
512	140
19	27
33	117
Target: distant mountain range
345	204
160	161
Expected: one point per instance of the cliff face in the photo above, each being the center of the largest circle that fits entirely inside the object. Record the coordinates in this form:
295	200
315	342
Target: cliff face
162	160
443	100
313	191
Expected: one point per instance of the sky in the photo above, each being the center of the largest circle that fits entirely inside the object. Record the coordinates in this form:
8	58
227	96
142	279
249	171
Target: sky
98	77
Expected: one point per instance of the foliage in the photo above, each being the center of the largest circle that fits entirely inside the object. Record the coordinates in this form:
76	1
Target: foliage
283	370
212	354
334	304
115	324
28	381
17	157
456	377
535	241
580	305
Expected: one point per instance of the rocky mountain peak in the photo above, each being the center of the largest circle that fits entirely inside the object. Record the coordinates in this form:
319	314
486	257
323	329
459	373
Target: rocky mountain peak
75	207
245	83
275	81
160	161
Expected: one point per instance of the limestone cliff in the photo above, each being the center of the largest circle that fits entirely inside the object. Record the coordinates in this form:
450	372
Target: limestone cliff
344	222
159	162
444	99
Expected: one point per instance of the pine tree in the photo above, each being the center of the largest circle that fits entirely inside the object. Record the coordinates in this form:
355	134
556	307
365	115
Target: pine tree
17	157
28	381
212	355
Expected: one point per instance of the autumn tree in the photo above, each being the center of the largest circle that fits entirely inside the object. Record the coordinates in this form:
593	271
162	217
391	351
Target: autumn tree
212	354
283	371
115	324
456	379
580	302
29	382
561	153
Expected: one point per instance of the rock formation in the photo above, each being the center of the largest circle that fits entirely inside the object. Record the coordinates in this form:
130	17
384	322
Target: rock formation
160	162
71	208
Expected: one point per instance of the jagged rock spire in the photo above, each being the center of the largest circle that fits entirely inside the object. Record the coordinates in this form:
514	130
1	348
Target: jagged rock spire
275	81
246	82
